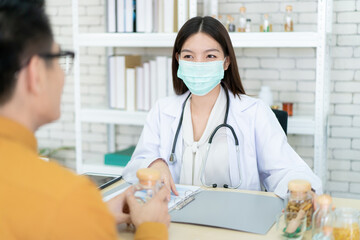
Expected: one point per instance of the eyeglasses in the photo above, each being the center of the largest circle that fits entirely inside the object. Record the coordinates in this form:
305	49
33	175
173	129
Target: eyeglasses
66	59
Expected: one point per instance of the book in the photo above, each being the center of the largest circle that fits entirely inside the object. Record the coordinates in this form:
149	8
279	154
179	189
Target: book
120	5
119	158
161	65
140	15
153	82
161	15
192	8
120	79
129	12
155	16
168	16
111	16
140	100
117	78
182	12
147	88
130	89
149	15
112	82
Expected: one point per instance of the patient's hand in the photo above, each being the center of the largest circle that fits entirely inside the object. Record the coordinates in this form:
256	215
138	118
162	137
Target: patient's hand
154	210
166	177
117	207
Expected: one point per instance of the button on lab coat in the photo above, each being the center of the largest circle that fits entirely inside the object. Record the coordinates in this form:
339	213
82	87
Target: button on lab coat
265	155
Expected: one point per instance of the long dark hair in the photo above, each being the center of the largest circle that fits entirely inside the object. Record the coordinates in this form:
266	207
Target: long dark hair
217	31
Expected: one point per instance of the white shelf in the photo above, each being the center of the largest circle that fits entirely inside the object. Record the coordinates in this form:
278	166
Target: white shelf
304	125
101	168
255	39
111	116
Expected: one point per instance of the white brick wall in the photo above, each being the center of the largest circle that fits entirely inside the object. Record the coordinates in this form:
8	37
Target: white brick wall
290	72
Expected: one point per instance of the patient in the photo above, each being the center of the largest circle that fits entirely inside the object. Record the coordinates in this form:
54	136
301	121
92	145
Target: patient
38	199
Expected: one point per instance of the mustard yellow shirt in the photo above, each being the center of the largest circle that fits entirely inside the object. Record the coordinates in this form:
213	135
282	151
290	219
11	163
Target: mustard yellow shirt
41	200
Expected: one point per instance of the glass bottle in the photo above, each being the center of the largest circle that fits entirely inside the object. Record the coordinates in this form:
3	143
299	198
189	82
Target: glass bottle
242	20
346	224
322	218
231	25
288	22
266	26
248	25
149	184
300	198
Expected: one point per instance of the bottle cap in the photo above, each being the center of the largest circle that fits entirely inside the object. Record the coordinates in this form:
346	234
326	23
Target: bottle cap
299	186
289	8
242	9
148	175
324	199
266	15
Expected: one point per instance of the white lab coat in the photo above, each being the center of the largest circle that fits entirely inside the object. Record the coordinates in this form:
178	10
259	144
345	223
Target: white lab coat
265	155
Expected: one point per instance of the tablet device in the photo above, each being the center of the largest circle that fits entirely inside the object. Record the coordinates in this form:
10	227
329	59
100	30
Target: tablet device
103	180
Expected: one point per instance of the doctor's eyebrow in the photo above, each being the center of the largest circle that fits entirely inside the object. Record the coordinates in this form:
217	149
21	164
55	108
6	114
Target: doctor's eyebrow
208	50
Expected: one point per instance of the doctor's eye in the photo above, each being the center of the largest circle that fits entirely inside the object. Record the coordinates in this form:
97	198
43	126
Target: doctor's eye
211	56
188	56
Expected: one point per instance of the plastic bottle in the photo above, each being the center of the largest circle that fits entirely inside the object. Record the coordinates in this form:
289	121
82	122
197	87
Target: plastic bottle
266	26
242	20
322	218
288	22
149	184
266	95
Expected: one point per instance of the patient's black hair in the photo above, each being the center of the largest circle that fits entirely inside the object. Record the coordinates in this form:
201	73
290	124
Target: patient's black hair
24	32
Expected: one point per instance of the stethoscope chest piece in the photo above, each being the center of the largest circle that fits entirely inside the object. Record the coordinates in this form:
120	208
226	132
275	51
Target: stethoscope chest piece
172	158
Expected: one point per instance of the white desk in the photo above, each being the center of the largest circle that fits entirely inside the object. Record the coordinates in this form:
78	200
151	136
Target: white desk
179	231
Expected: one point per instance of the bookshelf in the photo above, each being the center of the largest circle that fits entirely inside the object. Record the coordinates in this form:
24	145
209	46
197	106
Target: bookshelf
239	40
315	125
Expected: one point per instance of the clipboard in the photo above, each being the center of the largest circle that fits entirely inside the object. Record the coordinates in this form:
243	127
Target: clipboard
232	210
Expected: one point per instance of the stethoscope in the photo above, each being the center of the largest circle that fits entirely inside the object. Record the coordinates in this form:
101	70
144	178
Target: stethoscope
172	159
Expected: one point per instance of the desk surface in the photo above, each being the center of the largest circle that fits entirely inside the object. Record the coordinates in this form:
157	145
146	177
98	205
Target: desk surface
190	231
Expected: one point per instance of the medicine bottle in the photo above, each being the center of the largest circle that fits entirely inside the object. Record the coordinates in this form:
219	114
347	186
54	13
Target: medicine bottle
299	198
265	94
149	184
248	25
230	24
242	20
322	218
288	21
266	26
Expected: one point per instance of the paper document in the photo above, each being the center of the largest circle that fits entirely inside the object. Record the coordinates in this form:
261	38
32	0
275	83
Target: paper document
185	192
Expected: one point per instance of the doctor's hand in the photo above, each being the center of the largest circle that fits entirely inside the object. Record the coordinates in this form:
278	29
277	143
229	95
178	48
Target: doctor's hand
166	177
154	210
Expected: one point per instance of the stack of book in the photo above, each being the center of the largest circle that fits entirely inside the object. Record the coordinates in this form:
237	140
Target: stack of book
149	15
135	86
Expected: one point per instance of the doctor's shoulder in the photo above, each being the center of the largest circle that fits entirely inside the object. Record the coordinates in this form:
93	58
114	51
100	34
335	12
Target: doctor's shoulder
243	102
171	103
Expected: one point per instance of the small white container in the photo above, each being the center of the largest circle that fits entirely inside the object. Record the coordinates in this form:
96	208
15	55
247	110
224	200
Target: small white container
266	95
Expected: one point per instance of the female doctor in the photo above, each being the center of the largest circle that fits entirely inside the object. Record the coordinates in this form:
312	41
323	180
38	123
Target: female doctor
211	133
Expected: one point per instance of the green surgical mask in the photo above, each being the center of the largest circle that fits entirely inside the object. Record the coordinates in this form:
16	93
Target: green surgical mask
201	77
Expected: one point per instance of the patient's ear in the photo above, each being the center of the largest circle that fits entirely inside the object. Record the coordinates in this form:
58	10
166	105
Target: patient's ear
34	75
